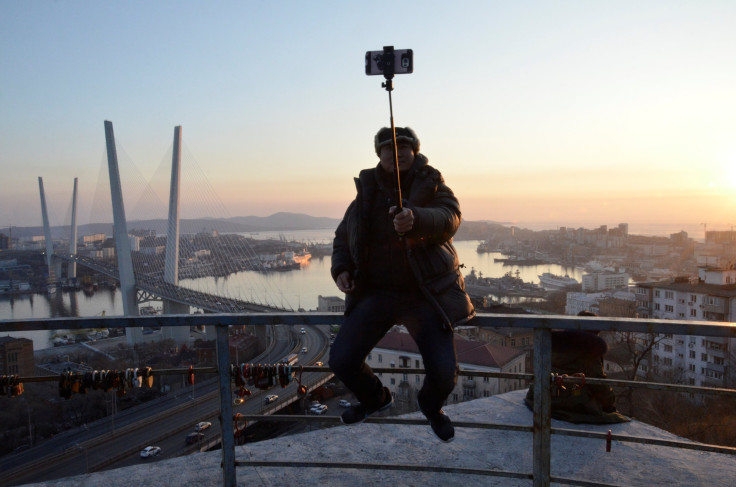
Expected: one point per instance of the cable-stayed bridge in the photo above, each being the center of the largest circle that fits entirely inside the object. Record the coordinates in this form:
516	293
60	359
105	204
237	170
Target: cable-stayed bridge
147	265
152	289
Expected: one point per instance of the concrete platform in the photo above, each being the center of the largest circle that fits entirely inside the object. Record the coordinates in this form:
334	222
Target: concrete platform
628	464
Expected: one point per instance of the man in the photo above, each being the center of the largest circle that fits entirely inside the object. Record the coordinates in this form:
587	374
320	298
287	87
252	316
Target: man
399	267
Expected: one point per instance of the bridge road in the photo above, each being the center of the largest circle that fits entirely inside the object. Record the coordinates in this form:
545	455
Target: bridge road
164	426
157	287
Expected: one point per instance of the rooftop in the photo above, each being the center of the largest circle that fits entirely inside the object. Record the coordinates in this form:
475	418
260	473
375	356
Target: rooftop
474	449
468	351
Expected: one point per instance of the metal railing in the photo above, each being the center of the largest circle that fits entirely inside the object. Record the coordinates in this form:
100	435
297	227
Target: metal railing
541	428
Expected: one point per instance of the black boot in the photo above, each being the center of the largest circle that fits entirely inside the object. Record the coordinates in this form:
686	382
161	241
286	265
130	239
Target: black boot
358	412
439	421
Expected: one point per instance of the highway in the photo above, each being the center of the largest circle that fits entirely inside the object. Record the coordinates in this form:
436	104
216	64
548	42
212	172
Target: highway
113	443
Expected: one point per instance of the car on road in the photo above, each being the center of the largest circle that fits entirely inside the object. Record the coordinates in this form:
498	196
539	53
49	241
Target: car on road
194	437
201	426
238	401
318	409
150	451
343	403
304	350
303	331
271	398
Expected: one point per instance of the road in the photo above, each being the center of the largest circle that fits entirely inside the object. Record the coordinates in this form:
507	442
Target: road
117	442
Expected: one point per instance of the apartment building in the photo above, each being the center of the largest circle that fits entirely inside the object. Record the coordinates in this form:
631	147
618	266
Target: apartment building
601	281
693	360
16	356
398	350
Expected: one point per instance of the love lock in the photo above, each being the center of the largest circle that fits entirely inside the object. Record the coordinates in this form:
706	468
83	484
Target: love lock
302	389
148	376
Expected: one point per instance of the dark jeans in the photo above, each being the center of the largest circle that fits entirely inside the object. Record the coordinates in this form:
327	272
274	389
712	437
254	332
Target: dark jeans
372	317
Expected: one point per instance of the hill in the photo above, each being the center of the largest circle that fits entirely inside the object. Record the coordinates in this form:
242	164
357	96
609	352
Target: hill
242	224
282	221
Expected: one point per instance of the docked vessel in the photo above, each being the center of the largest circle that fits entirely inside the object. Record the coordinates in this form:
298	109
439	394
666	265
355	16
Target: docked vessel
553	282
508	285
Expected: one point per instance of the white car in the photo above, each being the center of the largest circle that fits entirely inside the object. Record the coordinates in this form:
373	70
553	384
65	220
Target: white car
202	426
150	451
304	349
343	403
271	398
319	409
303	331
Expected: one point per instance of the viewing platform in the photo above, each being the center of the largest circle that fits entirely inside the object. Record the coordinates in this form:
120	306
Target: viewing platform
498	441
414	456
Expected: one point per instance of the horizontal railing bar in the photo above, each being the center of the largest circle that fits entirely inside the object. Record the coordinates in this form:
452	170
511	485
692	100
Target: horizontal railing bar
282	418
413	468
648	441
482	320
503	427
154	372
504	375
383	466
651	385
580	483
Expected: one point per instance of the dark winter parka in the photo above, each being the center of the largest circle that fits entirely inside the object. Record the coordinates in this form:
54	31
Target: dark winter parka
432	259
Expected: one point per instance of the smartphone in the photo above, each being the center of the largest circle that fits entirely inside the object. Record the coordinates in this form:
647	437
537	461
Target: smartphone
389	61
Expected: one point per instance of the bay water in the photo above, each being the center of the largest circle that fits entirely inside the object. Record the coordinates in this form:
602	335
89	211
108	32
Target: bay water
297	289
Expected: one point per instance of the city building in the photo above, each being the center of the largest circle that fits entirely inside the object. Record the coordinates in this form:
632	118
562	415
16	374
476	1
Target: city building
692	360
16	356
621	303
330	304
96	238
398	350
601	281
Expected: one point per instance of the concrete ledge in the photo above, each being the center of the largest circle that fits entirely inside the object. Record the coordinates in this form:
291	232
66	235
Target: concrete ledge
628	464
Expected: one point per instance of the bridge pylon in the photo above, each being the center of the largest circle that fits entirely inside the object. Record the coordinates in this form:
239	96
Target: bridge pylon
54	267
171	266
120	235
71	270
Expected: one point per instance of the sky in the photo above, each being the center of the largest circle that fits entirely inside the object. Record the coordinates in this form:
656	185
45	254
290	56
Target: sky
571	113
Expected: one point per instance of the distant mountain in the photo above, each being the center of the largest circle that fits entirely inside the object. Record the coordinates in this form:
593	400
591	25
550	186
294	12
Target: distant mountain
287	221
242	224
469	230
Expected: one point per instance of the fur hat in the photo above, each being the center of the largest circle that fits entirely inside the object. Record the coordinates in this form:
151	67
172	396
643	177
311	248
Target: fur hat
403	134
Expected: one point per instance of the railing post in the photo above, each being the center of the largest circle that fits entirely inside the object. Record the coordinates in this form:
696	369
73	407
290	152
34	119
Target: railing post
542	406
226	407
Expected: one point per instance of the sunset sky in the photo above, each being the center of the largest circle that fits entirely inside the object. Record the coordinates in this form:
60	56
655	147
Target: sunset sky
568	113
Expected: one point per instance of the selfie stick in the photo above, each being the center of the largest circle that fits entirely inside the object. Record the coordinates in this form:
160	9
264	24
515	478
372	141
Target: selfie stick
388	73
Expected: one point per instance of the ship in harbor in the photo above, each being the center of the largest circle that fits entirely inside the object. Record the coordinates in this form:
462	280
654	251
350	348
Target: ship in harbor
553	282
508	285
518	261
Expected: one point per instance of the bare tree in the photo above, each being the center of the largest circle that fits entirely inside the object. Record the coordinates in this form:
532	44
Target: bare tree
630	351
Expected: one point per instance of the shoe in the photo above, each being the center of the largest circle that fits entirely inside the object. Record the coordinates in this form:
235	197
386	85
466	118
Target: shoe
358	412
440	423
